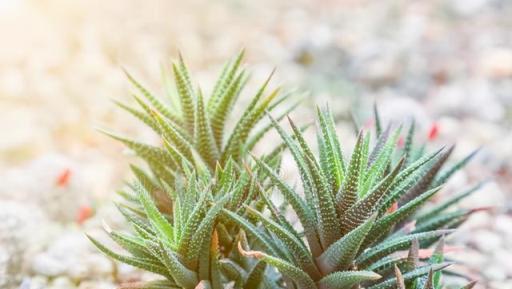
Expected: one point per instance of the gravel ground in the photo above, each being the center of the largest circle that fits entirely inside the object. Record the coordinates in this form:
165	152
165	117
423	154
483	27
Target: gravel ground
448	63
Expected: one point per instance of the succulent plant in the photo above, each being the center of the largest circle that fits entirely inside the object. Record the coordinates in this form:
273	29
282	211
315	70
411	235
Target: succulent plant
355	215
184	247
205	216
194	130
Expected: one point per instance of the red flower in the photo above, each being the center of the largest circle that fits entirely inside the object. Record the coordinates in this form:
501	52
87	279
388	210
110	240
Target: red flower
401	142
393	207
84	213
63	178
433	132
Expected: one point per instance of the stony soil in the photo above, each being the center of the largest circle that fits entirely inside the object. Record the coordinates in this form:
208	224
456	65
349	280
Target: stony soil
448	63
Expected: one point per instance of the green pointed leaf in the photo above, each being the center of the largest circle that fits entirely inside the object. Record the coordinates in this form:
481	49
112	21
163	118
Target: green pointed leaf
225	103
298	276
136	220
233	271
379	161
224	81
295	246
445	175
405	180
204	231
391	283
183	276
307	180
256	276
204	139
146	264
437	258
378	126
347	196
257	136
382	140
346	279
160	107
399	243
440	221
246	124
427	178
333	165
140	115
386	264
363	164
163	173
174	135
302	210
187	98
158	221
329	222
364	208
341	254
157	193
145	151
277	214
251	230
131	244
436	210
192	223
384	224
409	142
276	154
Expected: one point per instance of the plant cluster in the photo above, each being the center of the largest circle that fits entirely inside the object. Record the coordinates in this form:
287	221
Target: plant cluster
204	213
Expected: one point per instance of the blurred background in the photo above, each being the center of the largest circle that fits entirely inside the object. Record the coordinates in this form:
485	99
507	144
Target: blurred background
448	63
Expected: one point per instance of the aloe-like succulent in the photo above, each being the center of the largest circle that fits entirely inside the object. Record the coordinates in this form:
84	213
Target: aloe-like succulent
191	131
354	215
194	129
187	246
204	216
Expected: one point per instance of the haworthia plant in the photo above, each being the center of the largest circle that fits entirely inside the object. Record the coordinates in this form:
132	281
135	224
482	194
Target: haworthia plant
204	216
354	213
196	129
